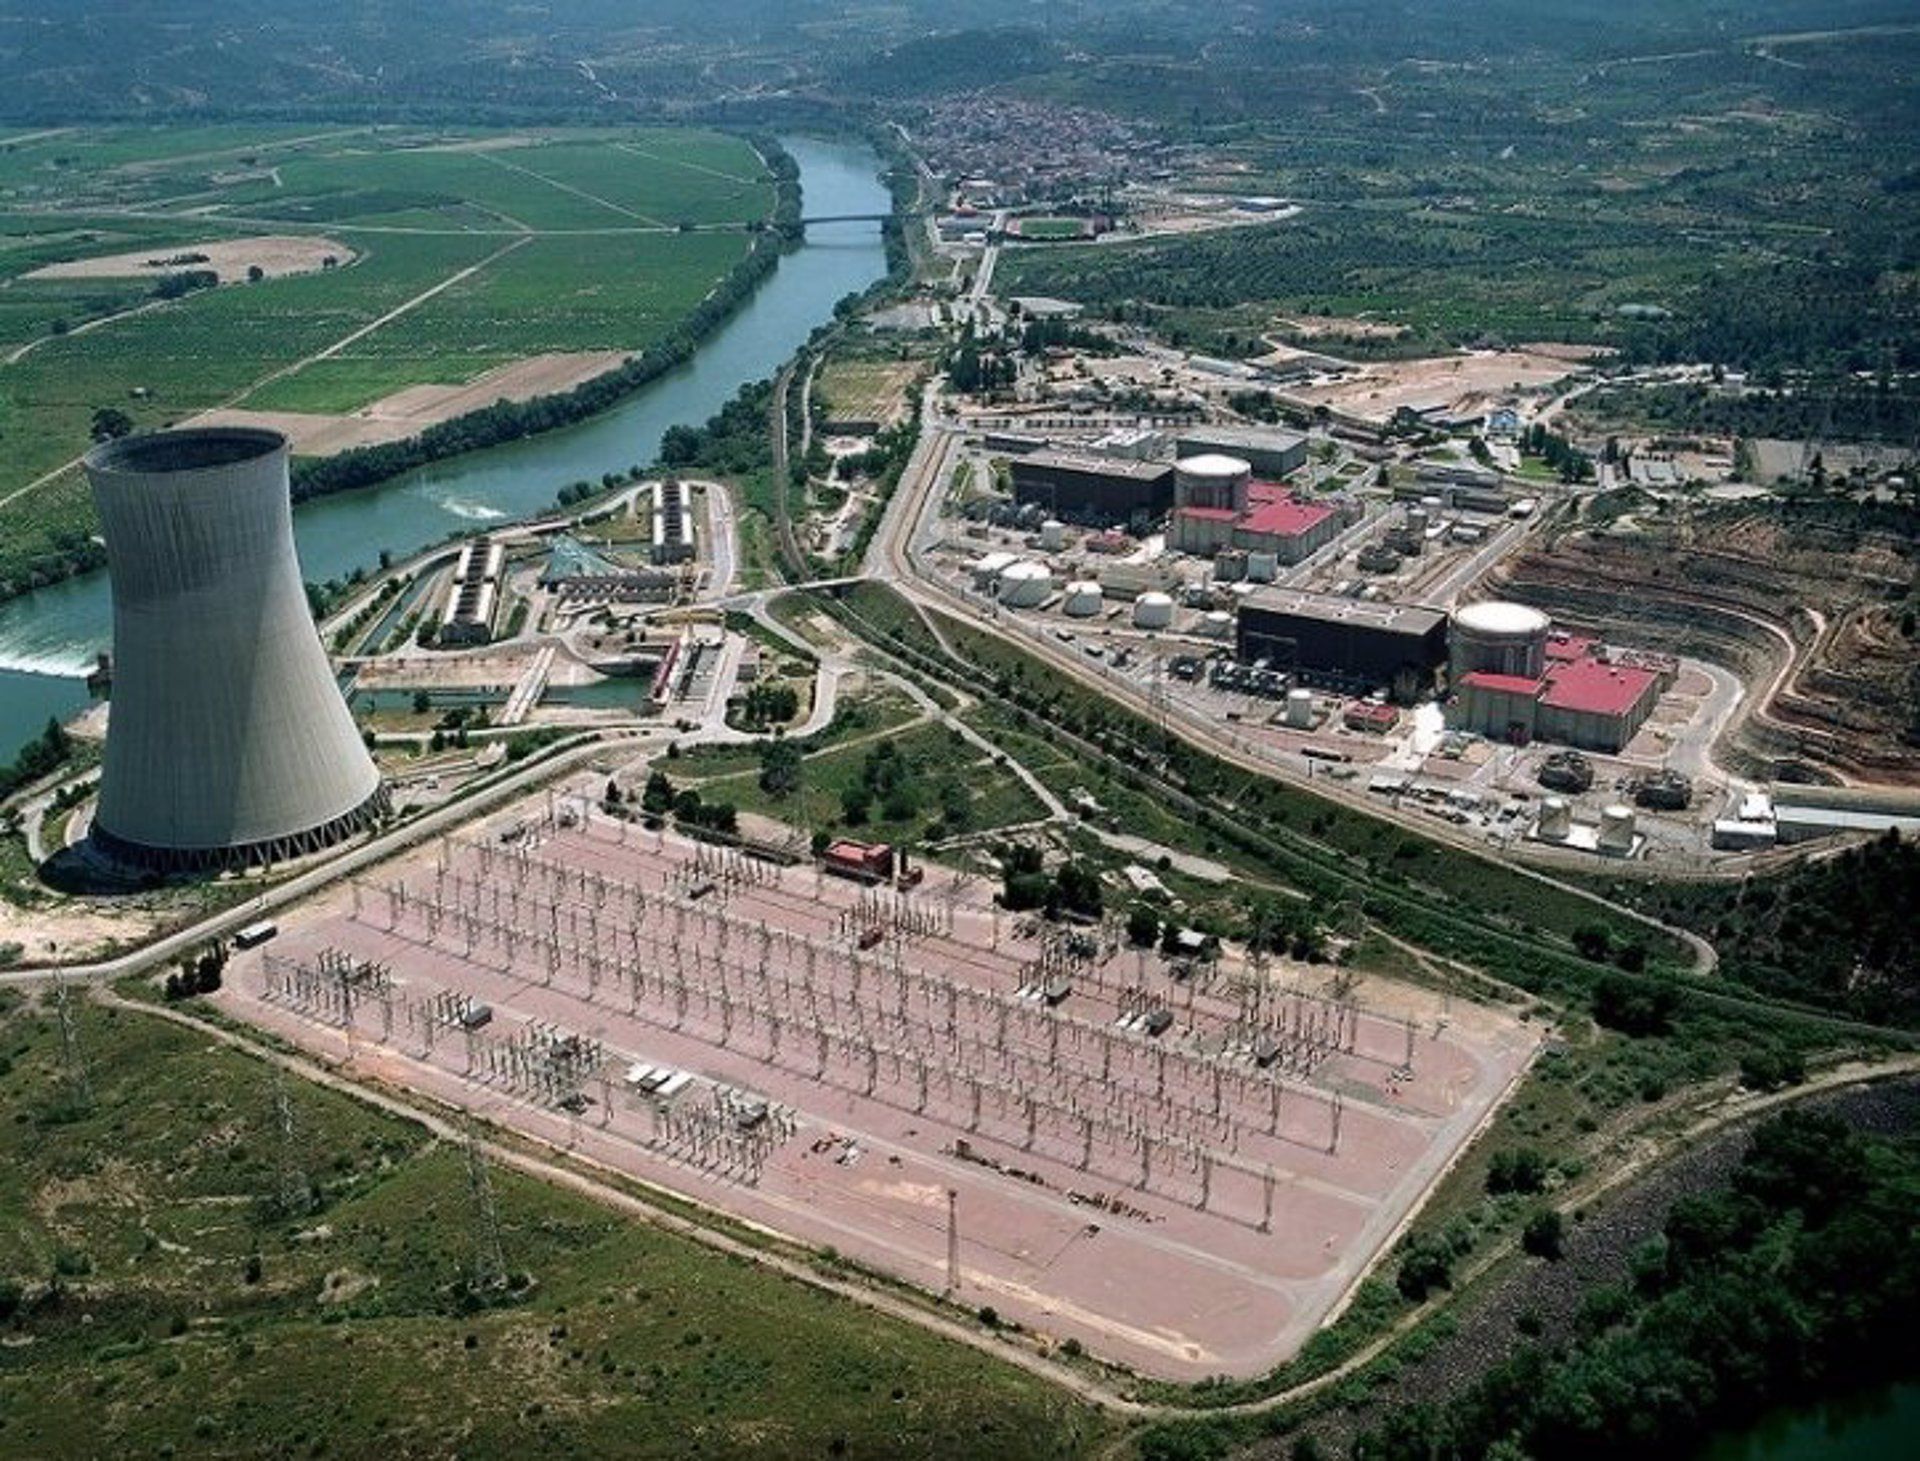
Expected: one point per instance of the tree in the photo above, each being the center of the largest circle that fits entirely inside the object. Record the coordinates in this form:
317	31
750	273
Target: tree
1545	1234
656	797
110	423
1517	1169
255	273
422	702
779	768
1143	926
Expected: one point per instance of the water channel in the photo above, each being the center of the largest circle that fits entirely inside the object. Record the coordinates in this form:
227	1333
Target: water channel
48	638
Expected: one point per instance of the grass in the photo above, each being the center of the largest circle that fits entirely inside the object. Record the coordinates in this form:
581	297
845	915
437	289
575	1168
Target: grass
865	390
414	214
943	774
131	1230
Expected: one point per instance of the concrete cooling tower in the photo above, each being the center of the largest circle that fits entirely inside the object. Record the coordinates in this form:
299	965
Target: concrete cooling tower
228	743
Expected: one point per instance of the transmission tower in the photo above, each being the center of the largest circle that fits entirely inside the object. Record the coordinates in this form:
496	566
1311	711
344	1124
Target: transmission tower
489	1259
73	1062
291	1190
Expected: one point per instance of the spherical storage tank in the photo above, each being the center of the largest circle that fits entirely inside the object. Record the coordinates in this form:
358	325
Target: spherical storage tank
1082	600
1498	638
1211	480
1024	584
1152	611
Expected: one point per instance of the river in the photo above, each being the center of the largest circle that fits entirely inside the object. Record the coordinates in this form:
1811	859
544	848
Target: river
48	638
1870	1426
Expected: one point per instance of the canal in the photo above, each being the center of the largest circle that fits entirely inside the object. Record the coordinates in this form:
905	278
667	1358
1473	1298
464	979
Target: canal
48	639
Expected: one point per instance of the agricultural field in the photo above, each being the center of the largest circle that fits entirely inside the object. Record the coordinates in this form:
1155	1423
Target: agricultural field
441	255
861	389
172	1271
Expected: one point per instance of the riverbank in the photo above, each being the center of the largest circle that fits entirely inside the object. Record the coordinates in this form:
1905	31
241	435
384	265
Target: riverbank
48	637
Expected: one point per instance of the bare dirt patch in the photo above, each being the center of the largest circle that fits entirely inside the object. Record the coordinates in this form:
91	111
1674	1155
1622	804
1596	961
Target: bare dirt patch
407	412
1316	326
1452	382
274	255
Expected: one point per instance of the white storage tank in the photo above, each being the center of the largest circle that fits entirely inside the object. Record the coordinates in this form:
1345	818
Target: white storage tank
1418	520
1053	535
1263	567
1211	480
1616	828
1216	624
1556	818
1496	638
1300	709
987	570
1432	505
1024	584
1082	600
1152	611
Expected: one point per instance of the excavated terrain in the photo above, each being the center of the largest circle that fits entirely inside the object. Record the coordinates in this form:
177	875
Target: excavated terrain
1809	615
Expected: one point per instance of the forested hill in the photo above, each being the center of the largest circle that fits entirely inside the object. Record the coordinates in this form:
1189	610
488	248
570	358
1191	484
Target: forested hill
73	59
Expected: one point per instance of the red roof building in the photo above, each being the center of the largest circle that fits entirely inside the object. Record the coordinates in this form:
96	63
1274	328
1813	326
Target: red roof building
1275	521
1582	700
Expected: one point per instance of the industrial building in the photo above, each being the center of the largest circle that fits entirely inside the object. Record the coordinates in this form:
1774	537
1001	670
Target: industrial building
229	744
1271	453
474	596
1218	506
574	572
1343	642
1091	489
1514	680
672	523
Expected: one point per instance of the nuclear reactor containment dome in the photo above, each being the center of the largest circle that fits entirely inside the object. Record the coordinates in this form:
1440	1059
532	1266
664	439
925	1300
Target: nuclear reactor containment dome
228	743
1498	638
1211	480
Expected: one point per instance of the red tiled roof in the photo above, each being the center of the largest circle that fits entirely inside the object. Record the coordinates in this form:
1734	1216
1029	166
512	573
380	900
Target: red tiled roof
1284	516
1570	646
1596	687
1210	514
1503	684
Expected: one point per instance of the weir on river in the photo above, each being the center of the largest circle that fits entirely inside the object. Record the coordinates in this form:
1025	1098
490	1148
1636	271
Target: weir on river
48	639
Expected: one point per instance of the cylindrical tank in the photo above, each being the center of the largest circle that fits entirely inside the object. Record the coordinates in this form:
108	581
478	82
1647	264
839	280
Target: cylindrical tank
1152	611
228	744
1418	519
1498	639
1616	828
1211	480
1082	600
987	570
1216	623
1431	505
1556	817
1053	535
1263	567
1300	709
1024	584
1230	567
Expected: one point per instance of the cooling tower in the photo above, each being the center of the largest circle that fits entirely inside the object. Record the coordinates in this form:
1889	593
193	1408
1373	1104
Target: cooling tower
228	743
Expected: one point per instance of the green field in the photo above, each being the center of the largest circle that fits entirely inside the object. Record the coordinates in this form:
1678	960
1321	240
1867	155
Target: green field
949	787
148	1284
574	239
